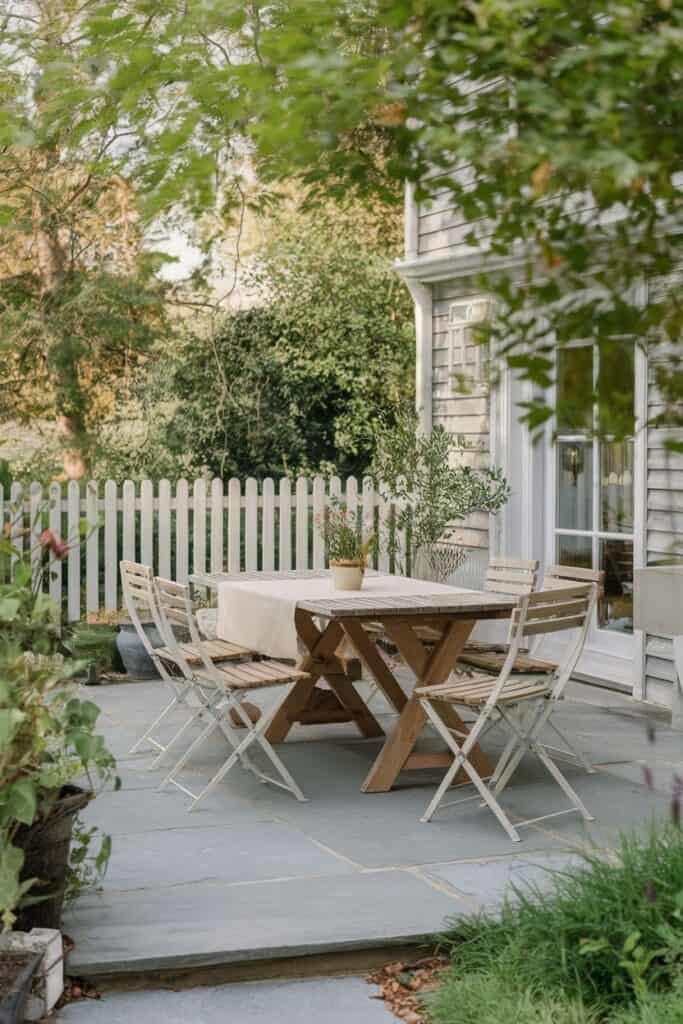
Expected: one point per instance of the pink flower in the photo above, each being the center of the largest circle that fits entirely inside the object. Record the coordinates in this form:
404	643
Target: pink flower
50	542
60	549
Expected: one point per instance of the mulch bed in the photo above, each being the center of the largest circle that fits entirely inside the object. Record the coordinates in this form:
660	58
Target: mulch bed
402	984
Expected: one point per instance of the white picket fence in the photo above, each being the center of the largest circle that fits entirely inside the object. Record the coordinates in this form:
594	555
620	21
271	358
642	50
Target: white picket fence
185	528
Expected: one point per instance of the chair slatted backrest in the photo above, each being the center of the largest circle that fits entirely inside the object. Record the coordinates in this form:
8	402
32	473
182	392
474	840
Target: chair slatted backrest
137	584
174	601
513	576
565	575
560	608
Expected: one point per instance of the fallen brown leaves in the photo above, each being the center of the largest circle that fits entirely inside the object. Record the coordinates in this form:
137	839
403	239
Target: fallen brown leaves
74	988
402	984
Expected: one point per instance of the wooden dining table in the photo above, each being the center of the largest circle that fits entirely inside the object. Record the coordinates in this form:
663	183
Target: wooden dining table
328	624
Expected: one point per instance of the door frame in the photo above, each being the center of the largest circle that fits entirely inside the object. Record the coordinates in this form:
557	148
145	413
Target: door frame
528	521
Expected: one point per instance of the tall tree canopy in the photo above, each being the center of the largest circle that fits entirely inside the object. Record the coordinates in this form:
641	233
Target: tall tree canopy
297	383
569	157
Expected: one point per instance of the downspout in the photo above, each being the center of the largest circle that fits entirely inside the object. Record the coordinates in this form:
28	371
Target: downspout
422	297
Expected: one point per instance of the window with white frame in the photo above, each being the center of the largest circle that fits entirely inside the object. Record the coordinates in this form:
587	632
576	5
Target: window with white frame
466	357
594	507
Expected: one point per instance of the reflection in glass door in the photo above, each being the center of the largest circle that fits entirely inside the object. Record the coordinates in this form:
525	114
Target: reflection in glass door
594	503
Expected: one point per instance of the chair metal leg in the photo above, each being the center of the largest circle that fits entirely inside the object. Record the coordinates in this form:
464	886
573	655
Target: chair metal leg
562	782
147	735
528	741
461	760
260	729
174	739
196	743
572	751
254	734
224	769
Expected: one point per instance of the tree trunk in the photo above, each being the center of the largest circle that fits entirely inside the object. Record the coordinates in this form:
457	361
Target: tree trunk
51	260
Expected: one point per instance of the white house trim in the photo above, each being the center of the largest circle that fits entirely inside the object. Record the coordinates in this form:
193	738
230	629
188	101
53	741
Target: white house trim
640	493
412	223
422	297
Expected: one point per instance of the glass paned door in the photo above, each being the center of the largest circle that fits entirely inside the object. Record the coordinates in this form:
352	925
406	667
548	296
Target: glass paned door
593	518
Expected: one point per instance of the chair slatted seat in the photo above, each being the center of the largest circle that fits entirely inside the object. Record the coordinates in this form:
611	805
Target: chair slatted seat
521	705
474	691
492	661
254	674
218	650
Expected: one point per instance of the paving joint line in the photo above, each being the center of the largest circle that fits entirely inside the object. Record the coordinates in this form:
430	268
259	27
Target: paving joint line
445	888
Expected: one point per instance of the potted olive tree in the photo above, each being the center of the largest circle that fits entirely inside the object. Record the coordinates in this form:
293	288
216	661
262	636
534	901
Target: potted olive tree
431	490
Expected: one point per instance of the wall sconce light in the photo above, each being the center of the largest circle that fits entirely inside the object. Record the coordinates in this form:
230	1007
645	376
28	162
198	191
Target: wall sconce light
572	461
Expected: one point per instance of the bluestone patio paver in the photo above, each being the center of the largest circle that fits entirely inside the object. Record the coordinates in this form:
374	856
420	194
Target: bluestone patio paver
253	874
489	882
208	923
314	1001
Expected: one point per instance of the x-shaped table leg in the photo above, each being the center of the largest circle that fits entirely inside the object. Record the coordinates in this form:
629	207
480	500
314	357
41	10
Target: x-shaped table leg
321	662
430	668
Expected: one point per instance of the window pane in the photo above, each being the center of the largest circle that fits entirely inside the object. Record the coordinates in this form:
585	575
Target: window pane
575	485
575	390
616	388
615	609
577	551
616	486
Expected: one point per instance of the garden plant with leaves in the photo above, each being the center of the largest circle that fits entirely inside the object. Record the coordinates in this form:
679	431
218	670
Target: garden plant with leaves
48	735
432	493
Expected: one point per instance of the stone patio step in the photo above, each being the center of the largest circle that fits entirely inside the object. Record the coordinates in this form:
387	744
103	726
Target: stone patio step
173	929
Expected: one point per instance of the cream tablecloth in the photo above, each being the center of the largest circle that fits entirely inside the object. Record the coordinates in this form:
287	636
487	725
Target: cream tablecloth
259	614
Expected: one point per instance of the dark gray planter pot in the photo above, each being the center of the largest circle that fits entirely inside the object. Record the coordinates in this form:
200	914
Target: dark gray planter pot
135	658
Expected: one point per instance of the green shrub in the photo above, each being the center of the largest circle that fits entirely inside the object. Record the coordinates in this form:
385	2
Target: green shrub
608	930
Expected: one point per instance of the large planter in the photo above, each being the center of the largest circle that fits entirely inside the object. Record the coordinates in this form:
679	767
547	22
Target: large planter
16	975
435	563
658	600
347	575
135	658
46	846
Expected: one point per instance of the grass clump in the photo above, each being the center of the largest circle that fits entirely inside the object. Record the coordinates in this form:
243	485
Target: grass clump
481	998
655	1008
607	934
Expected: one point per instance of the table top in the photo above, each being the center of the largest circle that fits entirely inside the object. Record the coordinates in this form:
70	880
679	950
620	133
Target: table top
394	595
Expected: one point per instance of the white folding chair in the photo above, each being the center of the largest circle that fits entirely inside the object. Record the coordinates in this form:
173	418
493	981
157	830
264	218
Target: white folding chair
139	595
233	683
555	576
137	582
513	577
522	704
